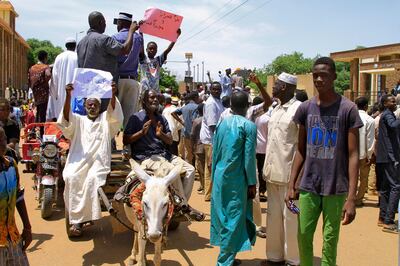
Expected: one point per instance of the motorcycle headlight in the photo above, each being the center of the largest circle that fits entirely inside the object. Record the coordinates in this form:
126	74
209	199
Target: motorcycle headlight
50	150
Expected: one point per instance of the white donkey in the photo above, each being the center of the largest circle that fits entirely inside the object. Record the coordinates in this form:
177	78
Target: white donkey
155	205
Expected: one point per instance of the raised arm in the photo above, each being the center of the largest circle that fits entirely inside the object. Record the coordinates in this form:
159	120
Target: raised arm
126	47
171	45
114	91
177	118
67	102
264	94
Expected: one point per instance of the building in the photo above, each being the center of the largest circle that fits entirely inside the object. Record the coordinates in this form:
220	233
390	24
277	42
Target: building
13	52
372	70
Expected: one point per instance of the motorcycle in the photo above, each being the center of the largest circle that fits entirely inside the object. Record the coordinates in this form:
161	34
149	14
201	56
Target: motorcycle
48	160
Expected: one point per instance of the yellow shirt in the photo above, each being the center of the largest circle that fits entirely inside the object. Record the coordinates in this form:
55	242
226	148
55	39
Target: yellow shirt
281	143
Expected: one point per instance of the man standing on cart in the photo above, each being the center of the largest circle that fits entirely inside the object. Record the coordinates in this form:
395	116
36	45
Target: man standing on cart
89	159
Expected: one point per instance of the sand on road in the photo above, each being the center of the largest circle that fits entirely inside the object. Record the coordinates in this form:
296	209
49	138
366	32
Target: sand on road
361	243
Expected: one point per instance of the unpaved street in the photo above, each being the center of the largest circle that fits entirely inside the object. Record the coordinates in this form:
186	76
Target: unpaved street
361	243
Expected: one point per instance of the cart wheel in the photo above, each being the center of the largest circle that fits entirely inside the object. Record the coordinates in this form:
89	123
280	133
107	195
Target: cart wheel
46	206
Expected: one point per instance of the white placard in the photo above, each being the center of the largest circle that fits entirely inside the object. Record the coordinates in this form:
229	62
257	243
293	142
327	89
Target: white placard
92	83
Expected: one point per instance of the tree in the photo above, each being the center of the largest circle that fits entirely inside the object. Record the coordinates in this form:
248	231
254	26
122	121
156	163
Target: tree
167	80
294	63
37	45
342	81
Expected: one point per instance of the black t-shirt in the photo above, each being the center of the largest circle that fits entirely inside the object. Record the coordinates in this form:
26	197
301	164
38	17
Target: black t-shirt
326	167
11	129
149	144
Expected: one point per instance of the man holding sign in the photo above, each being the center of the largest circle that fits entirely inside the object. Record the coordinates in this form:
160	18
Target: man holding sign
89	159
99	51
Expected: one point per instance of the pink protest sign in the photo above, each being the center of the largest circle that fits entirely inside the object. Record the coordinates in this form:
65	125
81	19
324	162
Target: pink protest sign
161	24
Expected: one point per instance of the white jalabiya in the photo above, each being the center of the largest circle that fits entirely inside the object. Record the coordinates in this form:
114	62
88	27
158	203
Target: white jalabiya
62	74
89	161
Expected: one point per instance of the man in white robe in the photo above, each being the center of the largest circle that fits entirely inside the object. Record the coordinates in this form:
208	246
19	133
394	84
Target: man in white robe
89	159
62	74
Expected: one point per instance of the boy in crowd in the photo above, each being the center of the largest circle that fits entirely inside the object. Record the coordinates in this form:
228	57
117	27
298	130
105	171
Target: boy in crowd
12	244
150	65
328	149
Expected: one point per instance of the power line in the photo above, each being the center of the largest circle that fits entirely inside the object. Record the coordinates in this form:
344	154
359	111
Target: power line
219	19
239	19
212	15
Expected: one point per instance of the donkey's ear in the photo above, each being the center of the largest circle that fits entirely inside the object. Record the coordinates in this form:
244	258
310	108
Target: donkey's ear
140	173
172	175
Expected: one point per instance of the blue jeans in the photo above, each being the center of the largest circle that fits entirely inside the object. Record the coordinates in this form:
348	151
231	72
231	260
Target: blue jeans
389	190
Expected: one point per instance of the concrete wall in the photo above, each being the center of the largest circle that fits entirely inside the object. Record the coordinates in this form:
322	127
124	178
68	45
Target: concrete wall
304	82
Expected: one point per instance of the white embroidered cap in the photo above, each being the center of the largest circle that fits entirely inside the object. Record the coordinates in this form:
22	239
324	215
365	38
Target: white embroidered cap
288	78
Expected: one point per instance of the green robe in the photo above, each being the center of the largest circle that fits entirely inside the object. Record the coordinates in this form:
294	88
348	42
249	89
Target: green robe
233	170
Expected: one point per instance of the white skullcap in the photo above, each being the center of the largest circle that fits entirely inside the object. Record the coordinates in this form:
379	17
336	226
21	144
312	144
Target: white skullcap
95	98
288	78
70	40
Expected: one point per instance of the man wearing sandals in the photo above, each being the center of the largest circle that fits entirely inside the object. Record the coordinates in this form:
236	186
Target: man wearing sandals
148	134
327	150
89	159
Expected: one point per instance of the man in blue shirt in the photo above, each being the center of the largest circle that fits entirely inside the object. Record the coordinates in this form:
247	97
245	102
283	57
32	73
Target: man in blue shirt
128	86
189	113
226	83
148	134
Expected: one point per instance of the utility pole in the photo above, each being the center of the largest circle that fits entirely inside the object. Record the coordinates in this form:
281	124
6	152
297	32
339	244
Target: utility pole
194	75
198	73
202	72
188	75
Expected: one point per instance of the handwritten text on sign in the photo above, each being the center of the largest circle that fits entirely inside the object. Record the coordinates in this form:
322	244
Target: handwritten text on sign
161	24
92	83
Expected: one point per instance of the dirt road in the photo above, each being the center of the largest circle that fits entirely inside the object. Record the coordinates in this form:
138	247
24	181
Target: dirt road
361	243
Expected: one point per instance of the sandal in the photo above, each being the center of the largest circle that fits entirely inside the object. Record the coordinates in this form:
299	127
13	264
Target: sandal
390	228
75	230
261	233
380	223
86	224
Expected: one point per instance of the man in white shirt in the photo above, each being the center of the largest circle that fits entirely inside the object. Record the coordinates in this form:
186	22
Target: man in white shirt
212	111
281	147
367	137
62	74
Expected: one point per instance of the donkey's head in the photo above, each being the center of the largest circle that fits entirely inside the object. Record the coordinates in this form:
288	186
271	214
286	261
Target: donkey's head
155	200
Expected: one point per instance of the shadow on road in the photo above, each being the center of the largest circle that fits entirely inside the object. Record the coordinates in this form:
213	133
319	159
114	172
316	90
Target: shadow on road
108	248
40	239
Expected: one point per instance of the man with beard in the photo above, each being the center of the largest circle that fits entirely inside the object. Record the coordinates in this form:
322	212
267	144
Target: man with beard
89	158
148	134
281	147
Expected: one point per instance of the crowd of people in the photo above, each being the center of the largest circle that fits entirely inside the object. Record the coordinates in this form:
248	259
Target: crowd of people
306	157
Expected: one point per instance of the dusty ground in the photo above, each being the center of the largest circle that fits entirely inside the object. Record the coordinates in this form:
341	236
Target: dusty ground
361	243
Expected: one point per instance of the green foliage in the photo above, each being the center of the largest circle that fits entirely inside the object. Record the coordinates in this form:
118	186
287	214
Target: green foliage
294	63
167	80
342	81
262	76
37	45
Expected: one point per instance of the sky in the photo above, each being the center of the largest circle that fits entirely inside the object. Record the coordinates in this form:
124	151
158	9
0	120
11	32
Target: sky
228	33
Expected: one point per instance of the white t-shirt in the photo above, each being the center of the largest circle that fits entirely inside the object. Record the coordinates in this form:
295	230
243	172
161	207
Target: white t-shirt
262	132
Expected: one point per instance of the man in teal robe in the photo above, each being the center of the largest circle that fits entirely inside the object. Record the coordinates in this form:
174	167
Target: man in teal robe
234	182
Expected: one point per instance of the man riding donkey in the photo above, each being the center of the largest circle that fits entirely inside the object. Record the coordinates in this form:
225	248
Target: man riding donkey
89	159
148	134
